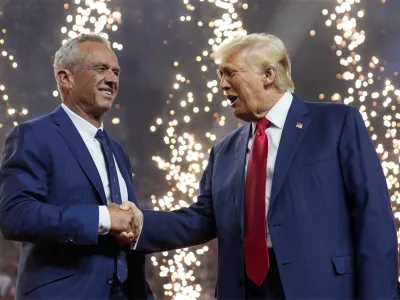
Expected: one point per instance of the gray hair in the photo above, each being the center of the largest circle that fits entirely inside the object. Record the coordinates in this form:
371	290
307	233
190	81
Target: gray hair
263	50
69	55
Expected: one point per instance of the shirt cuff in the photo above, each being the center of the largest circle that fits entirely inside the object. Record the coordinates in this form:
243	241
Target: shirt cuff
104	220
134	245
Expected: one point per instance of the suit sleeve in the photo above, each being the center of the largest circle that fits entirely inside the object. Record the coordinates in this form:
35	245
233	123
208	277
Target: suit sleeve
25	214
163	231
373	222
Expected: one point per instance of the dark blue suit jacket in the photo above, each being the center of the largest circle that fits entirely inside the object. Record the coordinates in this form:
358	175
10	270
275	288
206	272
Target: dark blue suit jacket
329	217
50	191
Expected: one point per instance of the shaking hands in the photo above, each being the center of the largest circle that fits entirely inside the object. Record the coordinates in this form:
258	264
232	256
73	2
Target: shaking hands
126	222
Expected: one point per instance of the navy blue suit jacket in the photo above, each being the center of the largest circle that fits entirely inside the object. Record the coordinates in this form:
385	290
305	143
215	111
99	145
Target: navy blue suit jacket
330	217
50	192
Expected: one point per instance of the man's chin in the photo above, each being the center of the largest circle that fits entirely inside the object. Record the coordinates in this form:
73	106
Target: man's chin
105	104
242	115
102	109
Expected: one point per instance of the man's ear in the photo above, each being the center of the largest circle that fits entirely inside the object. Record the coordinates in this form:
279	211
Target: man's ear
65	79
269	76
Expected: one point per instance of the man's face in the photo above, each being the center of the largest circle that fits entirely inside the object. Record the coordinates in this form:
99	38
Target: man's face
95	84
244	86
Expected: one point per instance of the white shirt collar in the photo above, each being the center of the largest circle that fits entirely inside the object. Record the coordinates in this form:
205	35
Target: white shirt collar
85	129
278	113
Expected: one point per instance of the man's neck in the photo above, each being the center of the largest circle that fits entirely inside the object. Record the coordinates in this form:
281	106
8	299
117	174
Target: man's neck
277	95
273	98
94	120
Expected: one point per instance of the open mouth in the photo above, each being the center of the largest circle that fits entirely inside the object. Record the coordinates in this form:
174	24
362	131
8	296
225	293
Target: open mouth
232	99
106	92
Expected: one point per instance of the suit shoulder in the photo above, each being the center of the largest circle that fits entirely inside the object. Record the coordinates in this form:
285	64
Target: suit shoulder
38	122
329	107
330	111
38	125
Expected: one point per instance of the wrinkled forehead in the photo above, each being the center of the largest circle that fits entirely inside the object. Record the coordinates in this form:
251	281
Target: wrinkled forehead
98	53
235	60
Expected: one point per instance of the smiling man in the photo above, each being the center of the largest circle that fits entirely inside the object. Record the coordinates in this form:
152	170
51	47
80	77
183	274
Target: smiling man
296	197
62	181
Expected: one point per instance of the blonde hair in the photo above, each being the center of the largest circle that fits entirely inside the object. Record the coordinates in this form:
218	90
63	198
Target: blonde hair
262	50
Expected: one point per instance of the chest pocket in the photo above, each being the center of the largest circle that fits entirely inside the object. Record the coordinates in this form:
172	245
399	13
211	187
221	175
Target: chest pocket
306	159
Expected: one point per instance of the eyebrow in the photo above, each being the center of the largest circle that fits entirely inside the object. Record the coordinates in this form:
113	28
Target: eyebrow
225	67
107	66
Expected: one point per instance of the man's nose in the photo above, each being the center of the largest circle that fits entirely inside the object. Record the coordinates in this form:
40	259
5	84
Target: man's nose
112	79
224	84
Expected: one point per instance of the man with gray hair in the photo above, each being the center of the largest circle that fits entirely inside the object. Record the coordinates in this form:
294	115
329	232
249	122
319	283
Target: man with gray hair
296	197
63	182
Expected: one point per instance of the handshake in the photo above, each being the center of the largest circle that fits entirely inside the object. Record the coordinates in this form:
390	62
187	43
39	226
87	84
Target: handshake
126	222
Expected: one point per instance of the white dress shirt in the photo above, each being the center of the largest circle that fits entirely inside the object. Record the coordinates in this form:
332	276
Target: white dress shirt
277	116
88	132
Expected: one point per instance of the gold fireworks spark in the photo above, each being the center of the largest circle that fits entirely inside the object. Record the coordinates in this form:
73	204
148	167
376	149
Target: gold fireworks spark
11	111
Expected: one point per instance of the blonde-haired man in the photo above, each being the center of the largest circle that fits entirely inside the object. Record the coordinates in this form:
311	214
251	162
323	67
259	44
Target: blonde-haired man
296	197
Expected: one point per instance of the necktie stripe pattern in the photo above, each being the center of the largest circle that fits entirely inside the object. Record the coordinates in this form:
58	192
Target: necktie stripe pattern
115	192
101	136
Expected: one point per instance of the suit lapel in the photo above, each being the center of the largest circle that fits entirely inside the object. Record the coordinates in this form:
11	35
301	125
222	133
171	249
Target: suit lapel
78	148
296	125
239	170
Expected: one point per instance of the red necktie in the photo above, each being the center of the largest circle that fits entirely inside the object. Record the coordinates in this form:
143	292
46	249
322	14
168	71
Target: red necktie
255	224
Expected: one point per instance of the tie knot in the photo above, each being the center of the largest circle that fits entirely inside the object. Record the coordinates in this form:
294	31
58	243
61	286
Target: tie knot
100	134
263	124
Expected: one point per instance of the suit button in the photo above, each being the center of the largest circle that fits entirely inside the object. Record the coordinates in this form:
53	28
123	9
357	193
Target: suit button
241	241
241	282
109	280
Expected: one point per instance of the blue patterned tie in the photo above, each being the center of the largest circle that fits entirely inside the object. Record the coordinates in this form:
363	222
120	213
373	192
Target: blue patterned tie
110	164
101	136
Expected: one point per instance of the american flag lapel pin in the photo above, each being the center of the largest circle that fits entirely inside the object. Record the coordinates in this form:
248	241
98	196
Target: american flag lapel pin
299	125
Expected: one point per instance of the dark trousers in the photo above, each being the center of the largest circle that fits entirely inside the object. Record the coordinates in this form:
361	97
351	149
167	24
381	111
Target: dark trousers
271	288
128	291
117	292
